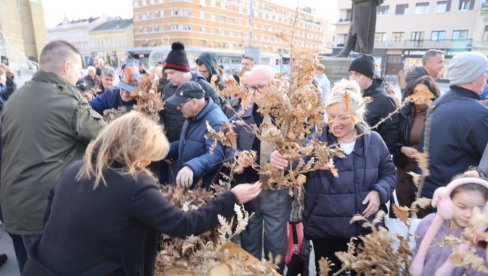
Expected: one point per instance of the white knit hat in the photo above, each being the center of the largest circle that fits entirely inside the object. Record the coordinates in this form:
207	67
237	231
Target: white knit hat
465	67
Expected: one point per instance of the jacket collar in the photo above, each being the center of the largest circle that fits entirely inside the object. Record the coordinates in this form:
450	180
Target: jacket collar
50	77
376	87
461	91
203	113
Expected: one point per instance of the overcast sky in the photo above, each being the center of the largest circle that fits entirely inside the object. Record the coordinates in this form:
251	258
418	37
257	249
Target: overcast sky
54	10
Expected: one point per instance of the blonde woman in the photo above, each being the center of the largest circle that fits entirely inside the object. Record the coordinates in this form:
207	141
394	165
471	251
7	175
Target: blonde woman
366	177
105	211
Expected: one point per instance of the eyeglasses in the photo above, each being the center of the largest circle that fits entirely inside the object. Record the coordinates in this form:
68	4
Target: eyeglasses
180	106
339	118
256	88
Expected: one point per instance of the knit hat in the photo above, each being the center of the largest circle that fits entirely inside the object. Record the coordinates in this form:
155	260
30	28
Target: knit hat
364	65
442	200
177	59
186	91
465	67
129	80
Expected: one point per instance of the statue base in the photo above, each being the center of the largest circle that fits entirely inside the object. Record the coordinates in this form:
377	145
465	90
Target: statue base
336	68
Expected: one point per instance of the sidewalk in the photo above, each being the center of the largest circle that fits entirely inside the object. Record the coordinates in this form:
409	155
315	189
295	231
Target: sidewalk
10	268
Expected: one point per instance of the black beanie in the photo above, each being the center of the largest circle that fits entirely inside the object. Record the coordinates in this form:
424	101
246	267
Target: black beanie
364	65
177	59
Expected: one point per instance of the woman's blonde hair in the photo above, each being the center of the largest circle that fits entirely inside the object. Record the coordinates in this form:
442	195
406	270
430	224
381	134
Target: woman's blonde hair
348	92
123	145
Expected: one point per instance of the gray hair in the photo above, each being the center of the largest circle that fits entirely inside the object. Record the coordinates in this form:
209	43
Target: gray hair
55	54
91	69
430	54
349	90
108	71
265	70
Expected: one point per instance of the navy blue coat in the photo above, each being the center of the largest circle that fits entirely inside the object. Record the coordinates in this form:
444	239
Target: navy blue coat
193	148
110	99
331	202
458	136
114	228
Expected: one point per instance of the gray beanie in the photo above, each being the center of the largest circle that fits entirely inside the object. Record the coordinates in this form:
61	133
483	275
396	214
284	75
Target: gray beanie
465	67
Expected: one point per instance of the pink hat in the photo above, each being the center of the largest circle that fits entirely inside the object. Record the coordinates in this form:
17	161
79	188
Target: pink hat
445	209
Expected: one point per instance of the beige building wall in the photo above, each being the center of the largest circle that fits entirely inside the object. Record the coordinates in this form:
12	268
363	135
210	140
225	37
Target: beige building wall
225	25
24	37
480	40
111	40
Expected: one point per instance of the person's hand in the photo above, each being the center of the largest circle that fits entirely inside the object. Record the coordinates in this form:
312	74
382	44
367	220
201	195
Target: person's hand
87	95
246	192
409	152
278	161
185	177
373	201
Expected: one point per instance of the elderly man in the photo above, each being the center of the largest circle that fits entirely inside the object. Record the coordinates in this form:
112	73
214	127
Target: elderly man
432	65
362	70
272	207
91	79
123	94
108	77
46	124
177	70
198	158
459	122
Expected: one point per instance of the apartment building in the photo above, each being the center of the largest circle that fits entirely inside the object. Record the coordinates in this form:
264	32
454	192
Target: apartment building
112	40
480	40
405	29
76	32
227	27
25	38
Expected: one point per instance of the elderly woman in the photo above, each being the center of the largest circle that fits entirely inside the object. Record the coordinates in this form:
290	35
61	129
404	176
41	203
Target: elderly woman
105	211
365	182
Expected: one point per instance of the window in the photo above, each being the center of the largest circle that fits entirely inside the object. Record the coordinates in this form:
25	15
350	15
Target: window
465	5
401	9
485	34
421	8
348	15
383	10
438	35
397	36
459	34
443	6
380	37
416	36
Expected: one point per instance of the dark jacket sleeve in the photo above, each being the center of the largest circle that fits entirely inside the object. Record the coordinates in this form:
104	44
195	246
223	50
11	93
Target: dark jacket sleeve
386	171
10	87
150	207
173	149
209	161
389	129
102	102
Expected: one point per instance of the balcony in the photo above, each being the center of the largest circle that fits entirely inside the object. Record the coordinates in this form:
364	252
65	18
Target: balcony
424	44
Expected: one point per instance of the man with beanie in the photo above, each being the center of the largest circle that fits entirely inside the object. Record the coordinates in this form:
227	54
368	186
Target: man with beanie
199	157
459	122
362	70
177	70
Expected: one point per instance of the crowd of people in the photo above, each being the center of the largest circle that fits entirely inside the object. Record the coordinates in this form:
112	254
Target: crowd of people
78	196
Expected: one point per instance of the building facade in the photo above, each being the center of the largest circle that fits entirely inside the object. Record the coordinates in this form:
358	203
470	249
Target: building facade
227	26
21	39
76	32
405	29
480	40
112	40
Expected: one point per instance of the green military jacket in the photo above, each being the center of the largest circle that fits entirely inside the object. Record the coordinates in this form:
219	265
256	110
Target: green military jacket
46	124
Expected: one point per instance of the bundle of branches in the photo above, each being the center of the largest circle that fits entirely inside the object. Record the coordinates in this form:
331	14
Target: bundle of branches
148	101
206	253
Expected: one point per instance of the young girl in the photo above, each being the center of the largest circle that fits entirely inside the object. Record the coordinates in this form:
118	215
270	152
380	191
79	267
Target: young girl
455	204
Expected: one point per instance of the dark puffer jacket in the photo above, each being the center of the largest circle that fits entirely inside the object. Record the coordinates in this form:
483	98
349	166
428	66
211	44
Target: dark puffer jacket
110	99
331	202
194	149
415	74
380	108
173	119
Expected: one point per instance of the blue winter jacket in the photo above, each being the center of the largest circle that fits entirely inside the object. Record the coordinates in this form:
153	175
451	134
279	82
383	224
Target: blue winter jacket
458	136
110	99
194	149
331	202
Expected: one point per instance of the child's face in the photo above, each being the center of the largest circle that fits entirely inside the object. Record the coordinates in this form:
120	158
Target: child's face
464	202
